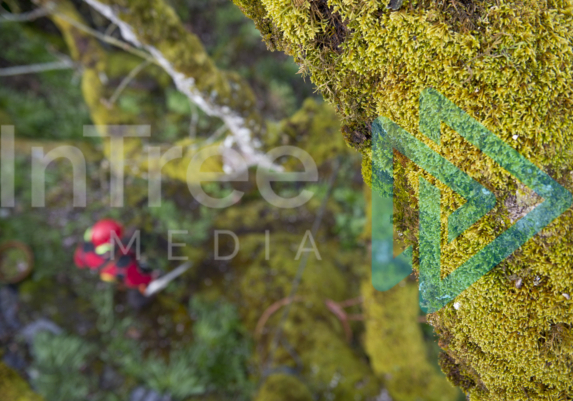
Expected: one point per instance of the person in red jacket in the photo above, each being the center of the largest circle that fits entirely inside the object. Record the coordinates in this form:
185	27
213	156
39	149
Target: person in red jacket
95	249
95	253
127	271
122	265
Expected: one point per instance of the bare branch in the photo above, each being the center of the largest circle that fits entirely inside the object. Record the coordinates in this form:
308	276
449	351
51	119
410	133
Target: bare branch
123	84
194	121
35	68
110	29
24	17
220	131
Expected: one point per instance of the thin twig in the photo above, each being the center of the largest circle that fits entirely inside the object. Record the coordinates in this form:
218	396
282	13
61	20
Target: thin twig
342	316
269	312
123	84
34	68
220	131
105	38
351	302
302	265
110	28
194	121
24	17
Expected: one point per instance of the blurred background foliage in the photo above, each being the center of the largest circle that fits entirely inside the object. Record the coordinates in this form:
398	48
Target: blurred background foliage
200	338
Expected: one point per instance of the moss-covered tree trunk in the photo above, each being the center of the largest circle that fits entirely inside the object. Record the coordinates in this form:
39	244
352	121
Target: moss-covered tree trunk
509	65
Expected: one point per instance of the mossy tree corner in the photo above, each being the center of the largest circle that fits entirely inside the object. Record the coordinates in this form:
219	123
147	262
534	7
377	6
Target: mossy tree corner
509	65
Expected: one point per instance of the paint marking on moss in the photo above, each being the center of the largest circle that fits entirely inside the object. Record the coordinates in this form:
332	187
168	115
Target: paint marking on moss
387	136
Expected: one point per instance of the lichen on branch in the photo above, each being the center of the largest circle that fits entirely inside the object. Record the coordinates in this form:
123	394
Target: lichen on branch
154	26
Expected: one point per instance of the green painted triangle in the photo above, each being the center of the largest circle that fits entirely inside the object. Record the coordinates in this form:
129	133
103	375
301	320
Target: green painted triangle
387	136
387	270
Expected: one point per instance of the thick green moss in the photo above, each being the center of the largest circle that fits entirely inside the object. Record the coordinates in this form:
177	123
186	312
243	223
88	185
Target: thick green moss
394	342
14	388
509	64
328	364
313	338
281	387
307	128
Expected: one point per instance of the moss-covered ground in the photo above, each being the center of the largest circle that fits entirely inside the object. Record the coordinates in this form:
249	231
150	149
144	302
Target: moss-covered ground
201	338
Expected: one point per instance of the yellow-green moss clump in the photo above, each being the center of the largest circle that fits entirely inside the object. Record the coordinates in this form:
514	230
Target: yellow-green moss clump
306	129
282	387
14	388
509	65
313	340
313	344
394	342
